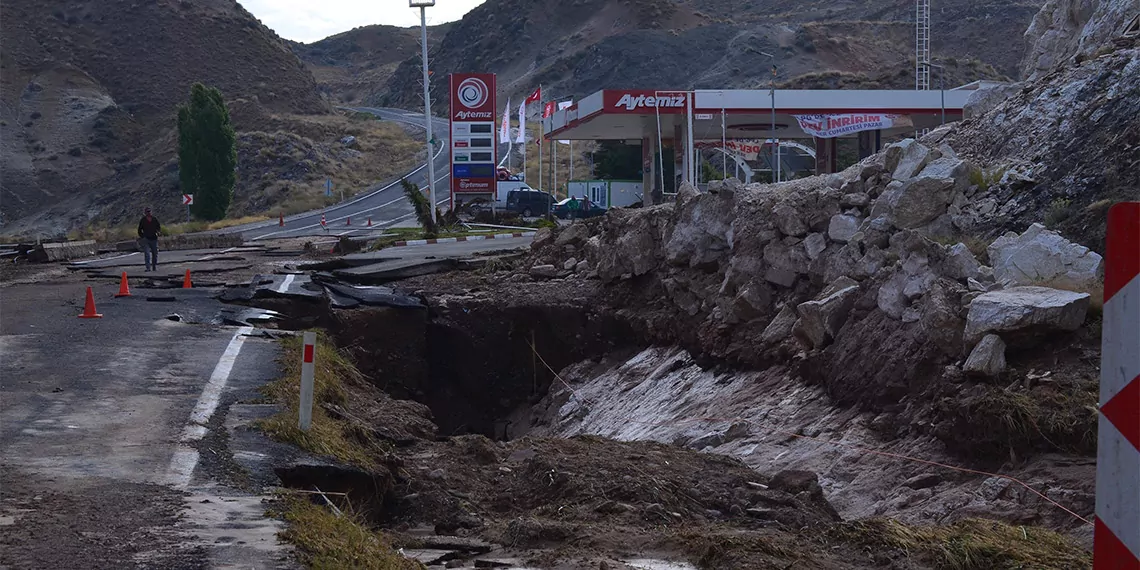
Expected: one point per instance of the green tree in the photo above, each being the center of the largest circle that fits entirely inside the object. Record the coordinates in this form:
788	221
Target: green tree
207	152
422	208
615	160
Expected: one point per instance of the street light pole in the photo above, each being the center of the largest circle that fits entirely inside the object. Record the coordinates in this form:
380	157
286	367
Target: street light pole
423	6
773	161
941	85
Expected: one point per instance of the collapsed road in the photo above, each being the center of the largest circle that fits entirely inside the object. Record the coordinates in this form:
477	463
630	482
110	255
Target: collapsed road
635	391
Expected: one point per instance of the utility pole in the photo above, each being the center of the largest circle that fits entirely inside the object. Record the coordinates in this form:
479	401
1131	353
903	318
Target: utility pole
423	5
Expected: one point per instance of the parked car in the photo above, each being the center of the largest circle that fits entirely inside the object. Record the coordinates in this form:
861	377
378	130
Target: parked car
529	203
562	210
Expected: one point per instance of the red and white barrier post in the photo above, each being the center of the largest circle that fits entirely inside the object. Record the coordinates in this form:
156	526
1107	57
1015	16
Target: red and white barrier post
1116	543
308	370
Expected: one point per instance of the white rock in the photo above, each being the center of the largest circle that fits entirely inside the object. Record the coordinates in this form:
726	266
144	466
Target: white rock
570	264
543	271
916	202
780	327
961	263
1027	310
987	358
914	157
1042	256
842	227
788	220
582	267
952	168
821	319
815	244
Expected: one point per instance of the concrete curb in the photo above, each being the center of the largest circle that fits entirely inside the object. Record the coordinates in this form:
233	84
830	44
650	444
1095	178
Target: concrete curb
459	239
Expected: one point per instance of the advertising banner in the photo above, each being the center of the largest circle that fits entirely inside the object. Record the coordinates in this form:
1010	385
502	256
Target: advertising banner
473	142
831	126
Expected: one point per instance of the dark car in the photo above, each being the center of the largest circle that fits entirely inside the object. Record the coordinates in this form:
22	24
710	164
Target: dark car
562	210
529	203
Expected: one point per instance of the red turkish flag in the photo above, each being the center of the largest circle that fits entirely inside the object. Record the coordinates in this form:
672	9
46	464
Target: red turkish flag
548	110
535	97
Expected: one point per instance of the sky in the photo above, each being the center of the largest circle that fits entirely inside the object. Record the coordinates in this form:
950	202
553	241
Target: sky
311	20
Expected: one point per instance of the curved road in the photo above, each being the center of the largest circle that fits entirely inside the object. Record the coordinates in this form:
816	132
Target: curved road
384	203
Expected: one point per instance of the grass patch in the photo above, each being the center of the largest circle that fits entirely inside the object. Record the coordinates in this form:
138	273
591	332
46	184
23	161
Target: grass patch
999	421
404	234
984	178
203	226
325	540
1060	210
971	544
329	436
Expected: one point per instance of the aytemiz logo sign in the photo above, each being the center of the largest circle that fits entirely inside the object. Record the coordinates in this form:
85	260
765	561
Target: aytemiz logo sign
473	125
643	102
472	97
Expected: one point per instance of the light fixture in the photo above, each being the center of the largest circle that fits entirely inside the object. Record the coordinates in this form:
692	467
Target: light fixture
421	3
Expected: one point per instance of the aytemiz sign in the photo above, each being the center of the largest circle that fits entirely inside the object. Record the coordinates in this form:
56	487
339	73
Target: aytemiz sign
472	117
641	102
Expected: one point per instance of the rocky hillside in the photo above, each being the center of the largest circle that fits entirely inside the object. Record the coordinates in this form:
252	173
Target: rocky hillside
89	93
350	65
575	48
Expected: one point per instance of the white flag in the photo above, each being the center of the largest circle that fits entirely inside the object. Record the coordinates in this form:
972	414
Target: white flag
505	128
522	125
562	106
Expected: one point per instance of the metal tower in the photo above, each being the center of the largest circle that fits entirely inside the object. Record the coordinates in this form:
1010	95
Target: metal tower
922	45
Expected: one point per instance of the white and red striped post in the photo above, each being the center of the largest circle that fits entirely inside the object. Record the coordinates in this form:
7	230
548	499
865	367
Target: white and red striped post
308	369
1116	543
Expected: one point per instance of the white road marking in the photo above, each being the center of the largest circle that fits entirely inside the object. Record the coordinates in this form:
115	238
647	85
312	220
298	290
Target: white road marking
104	259
284	286
185	458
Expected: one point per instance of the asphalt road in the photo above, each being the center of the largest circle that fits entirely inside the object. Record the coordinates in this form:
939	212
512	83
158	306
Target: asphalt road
111	429
385	204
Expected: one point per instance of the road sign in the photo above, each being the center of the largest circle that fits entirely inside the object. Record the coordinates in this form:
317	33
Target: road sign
328	187
187	199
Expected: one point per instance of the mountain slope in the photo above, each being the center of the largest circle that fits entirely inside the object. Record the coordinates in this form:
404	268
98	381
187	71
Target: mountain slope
88	96
348	65
577	47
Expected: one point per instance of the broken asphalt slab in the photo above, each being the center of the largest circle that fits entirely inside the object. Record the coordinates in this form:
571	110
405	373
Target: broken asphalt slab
388	271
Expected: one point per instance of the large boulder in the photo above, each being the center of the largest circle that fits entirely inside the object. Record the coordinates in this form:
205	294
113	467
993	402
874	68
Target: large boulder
987	358
1026	311
573	234
1041	256
780	327
916	202
821	319
952	168
907	158
842	227
961	263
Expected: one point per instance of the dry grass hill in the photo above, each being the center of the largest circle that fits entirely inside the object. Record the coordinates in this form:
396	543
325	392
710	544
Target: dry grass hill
88	99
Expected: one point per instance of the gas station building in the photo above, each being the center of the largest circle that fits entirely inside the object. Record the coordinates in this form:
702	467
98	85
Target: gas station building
680	118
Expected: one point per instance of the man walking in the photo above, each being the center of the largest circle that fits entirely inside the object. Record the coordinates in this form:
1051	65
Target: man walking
149	230
572	205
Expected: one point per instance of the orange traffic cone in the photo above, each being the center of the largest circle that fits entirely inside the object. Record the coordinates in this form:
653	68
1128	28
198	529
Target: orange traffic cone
89	307
348	221
369	221
124	288
281	219
186	283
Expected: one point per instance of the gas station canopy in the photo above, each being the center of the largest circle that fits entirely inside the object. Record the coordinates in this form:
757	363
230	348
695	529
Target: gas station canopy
635	114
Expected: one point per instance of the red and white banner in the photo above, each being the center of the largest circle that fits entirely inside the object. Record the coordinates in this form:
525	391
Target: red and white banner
1116	538
748	149
548	109
831	126
522	124
534	97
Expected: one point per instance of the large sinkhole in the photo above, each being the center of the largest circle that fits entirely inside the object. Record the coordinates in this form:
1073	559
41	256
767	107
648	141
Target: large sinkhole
468	358
471	362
